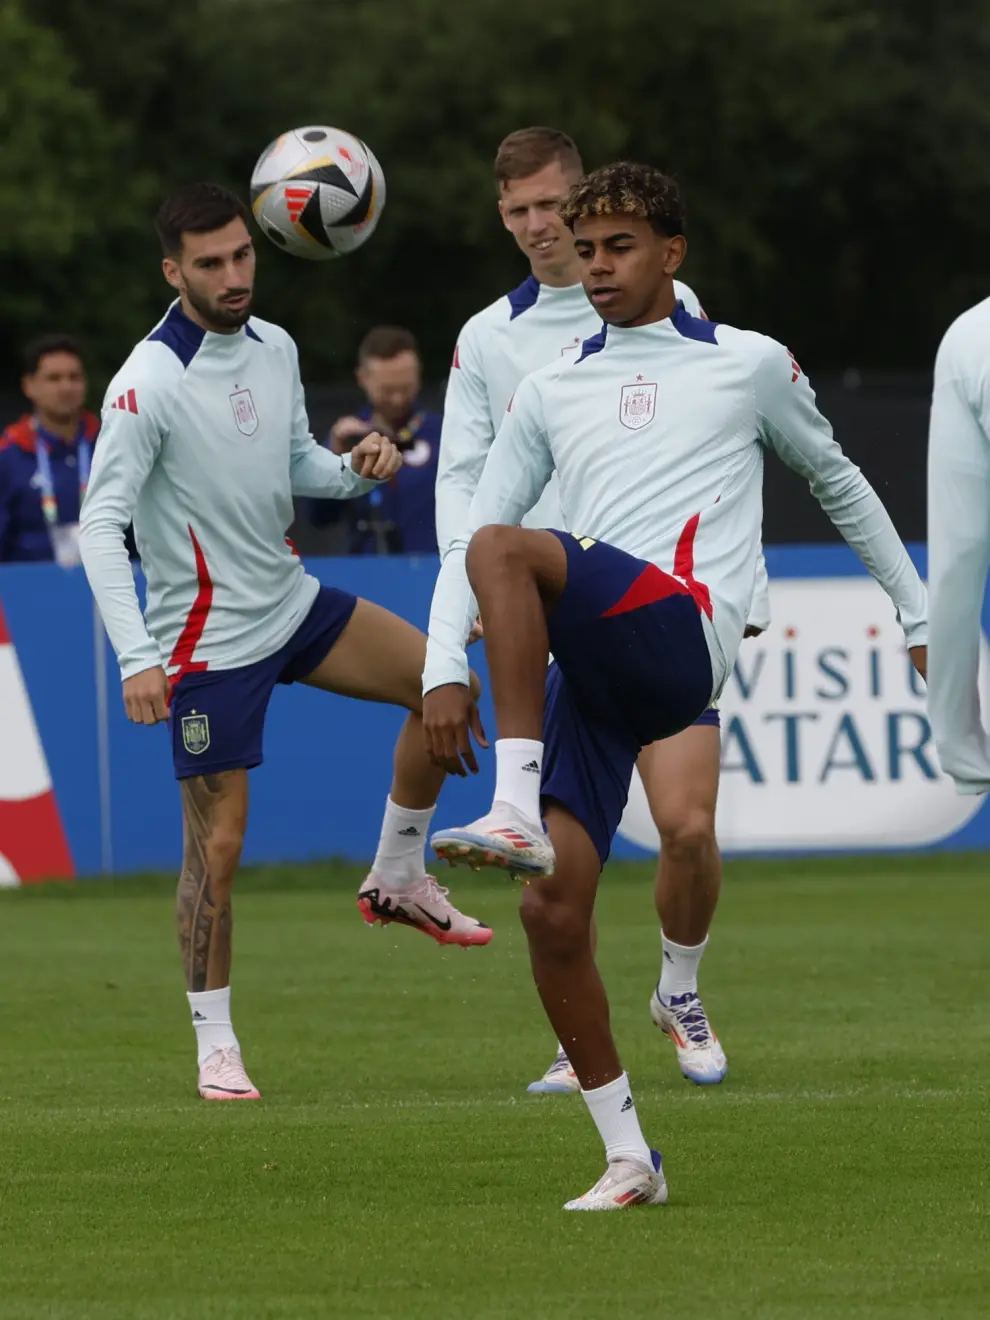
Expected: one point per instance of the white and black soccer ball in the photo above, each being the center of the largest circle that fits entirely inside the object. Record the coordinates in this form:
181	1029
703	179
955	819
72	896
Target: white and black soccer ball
317	192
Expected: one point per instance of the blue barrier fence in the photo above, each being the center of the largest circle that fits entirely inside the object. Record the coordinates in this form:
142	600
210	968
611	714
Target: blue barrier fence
328	760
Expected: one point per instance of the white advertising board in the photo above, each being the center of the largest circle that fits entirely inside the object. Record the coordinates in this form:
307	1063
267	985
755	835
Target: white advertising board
825	738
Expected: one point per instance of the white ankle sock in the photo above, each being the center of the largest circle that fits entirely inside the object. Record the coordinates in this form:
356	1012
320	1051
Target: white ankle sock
615	1116
518	772
211	1018
680	967
401	855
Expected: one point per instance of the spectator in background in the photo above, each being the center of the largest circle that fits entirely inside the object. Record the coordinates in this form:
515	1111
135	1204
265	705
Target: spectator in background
45	457
398	518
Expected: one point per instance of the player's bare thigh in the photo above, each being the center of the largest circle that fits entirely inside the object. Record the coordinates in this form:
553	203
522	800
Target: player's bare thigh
378	657
680	776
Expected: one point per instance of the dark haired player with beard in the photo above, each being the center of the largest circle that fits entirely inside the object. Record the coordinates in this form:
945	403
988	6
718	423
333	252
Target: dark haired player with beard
205	440
643	607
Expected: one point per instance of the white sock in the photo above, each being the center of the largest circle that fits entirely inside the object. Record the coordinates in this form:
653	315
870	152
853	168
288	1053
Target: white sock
518	772
680	967
211	1018
401	854
615	1116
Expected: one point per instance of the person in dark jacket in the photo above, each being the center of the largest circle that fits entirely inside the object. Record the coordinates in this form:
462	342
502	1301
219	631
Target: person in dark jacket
400	517
45	457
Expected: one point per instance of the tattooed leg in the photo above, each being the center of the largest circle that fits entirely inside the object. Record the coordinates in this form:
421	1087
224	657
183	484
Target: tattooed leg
214	811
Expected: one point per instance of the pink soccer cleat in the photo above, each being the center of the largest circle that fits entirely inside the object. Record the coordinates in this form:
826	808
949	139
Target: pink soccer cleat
222	1077
424	906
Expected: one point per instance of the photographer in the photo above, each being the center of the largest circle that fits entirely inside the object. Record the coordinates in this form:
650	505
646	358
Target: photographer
398	518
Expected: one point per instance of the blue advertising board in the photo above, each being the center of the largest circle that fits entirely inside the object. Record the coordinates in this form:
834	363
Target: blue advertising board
825	739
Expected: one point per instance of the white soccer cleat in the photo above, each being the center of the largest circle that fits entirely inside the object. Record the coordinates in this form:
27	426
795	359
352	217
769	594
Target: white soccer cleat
625	1183
424	906
699	1051
222	1077
503	838
559	1079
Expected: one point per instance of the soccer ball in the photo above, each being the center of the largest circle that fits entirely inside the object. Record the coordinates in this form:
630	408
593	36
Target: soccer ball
317	192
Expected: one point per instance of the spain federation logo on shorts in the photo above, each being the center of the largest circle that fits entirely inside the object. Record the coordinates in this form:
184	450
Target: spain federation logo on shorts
195	733
638	404
245	416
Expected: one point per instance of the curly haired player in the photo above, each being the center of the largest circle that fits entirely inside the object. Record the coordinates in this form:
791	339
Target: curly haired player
542	321
657	432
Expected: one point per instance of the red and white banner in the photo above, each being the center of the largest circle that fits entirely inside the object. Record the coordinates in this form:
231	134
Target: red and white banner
33	846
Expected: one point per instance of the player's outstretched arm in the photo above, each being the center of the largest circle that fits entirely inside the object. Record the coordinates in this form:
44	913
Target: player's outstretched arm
465	439
129	443
515	475
316	471
516	472
958	559
792	426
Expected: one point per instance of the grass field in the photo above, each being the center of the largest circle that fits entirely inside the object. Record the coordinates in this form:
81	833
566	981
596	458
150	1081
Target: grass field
396	1167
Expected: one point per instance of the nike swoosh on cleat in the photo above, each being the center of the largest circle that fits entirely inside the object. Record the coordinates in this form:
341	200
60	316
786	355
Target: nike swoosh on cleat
383	907
440	925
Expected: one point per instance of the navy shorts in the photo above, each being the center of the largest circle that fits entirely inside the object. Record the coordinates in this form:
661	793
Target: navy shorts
217	716
631	666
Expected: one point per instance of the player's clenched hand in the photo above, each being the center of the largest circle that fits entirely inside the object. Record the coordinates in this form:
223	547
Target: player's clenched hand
450	717
751	630
146	696
476	633
376	456
919	658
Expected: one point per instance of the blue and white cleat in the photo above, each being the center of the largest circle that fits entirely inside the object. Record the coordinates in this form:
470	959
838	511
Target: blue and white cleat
625	1183
699	1051
559	1079
503	838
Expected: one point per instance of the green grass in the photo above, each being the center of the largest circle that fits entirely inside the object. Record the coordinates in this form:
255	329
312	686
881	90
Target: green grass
396	1168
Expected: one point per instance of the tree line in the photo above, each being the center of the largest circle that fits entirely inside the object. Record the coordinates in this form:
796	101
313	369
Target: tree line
833	155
